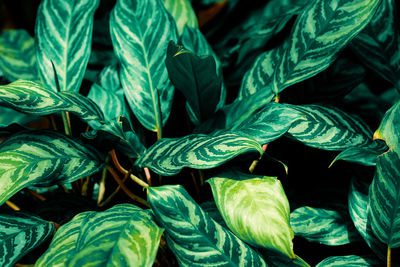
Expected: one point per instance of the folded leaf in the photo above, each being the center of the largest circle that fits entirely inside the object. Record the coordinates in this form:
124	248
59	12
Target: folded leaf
141	52
199	151
195	238
182	12
123	235
266	223
43	158
350	260
20	233
63	35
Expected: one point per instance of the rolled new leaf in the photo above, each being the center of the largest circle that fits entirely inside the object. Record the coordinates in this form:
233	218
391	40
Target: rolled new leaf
195	238
63	38
43	158
256	210
141	52
123	235
20	233
169	156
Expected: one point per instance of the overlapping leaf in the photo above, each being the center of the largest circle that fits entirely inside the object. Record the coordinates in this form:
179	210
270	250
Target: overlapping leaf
249	205
141	52
19	234
182	12
123	235
362	155
195	238
43	158
350	260
328	227
169	155
17	56
63	35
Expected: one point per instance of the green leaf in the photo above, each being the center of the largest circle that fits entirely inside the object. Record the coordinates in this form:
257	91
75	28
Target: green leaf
43	158
319	34
63	35
182	12
20	233
34	99
350	261
362	155
196	78
199	151
388	130
123	235
378	45
141	52
325	226
10	116
212	210
195	238
248	205
17	56
329	128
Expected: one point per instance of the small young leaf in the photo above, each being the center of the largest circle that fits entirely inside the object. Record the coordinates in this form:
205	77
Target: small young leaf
350	261
19	234
123	235
256	210
63	35
195	238
328	227
182	12
199	151
43	158
141	52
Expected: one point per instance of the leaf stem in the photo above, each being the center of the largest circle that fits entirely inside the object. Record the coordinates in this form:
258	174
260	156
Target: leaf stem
35	194
389	257
110	197
196	186
255	162
148	175
67	125
12	205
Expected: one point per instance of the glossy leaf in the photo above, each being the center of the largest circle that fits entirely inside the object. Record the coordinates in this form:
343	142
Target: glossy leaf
34	99
199	151
20	233
141	52
350	260
182	12
123	235
43	158
195	238
196	78
378	45
328	227
329	128
63	37
213	212
248	206
362	155
17	56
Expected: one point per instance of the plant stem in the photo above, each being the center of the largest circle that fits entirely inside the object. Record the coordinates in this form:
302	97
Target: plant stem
67	123
389	257
196	186
110	197
53	123
138	181
148	175
12	205
255	162
35	194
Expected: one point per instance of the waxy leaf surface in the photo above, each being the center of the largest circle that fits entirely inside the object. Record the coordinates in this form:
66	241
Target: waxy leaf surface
182	12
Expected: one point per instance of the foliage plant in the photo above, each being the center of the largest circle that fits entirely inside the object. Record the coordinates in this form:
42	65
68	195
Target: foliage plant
203	133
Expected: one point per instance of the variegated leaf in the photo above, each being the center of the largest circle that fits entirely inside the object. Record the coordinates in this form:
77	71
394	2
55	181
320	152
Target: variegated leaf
388	130
378	45
182	12
20	233
34	99
325	226
195	238
63	35
319	34
249	205
17	56
123	235
199	151
362	155
43	158
141	52
350	261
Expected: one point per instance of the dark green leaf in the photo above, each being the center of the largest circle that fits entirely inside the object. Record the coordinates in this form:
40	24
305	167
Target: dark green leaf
350	261
362	155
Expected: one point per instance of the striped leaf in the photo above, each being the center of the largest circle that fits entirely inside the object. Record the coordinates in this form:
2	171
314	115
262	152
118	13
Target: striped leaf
182	12
141	52
388	130
123	235
378	45
384	199
249	205
328	227
199	151
319	34
362	155
195	238
212	210
34	99
19	234
63	35
17	56
43	158
350	261
329	128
